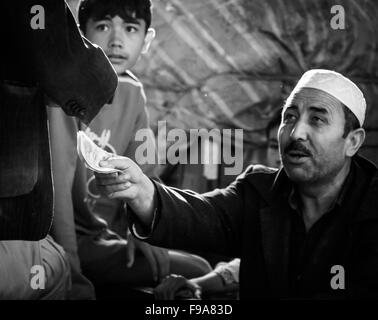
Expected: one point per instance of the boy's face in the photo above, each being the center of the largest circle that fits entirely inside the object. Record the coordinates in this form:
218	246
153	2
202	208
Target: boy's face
122	41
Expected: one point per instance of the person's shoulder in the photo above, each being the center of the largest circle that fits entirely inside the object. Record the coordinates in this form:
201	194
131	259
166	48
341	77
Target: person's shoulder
129	79
259	176
259	169
130	86
367	171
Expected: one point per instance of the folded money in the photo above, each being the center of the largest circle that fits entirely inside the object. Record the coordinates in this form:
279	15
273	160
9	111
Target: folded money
91	154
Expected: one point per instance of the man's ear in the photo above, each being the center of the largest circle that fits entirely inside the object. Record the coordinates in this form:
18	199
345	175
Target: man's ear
355	140
150	35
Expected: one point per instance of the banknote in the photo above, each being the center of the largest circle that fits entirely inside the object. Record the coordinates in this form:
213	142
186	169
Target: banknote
91	154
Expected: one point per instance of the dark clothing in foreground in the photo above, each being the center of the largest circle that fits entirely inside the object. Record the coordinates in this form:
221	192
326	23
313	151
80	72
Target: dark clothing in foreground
54	61
253	219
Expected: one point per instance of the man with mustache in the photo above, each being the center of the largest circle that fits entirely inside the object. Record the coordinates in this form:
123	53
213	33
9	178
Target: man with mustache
308	230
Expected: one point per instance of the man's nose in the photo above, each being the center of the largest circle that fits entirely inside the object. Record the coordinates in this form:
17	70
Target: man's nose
299	130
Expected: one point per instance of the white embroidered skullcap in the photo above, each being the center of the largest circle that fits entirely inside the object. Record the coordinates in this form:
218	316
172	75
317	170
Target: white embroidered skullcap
336	85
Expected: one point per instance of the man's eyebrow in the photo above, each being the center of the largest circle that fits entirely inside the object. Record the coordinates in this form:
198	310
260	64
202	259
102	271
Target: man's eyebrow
292	107
319	110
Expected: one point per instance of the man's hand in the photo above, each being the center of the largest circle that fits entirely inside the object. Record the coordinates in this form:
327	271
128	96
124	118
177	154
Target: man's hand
176	286
132	186
158	258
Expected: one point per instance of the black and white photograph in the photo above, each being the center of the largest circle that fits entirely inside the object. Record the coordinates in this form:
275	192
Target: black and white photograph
185	155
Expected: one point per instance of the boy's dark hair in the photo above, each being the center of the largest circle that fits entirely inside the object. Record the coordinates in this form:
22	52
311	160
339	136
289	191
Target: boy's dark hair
128	10
351	121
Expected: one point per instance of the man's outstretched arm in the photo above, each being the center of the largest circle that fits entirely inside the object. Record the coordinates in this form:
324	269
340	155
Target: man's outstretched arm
177	218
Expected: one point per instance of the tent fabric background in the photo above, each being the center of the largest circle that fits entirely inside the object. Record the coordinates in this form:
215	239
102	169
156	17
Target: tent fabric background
231	63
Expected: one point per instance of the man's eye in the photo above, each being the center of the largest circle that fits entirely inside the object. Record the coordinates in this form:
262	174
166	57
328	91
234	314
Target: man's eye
317	120
289	118
102	27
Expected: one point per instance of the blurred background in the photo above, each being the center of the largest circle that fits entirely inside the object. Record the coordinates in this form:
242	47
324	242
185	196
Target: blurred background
231	63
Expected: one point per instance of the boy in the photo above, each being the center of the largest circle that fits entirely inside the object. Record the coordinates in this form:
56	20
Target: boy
108	254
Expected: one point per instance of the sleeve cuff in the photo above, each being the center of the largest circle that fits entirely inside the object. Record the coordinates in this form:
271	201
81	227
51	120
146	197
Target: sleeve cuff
138	230
142	233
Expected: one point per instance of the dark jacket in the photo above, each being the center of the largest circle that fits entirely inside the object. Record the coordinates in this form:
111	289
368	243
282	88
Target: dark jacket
55	62
250	219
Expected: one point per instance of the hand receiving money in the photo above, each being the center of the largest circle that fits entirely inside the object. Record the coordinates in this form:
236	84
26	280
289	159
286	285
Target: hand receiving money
91	154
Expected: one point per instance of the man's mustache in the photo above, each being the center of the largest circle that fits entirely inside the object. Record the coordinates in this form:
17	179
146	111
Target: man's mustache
298	147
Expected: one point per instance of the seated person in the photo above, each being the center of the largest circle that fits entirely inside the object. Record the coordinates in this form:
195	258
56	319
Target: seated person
306	231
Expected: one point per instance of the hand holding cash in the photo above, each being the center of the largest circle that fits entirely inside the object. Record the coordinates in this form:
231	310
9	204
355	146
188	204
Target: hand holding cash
91	154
